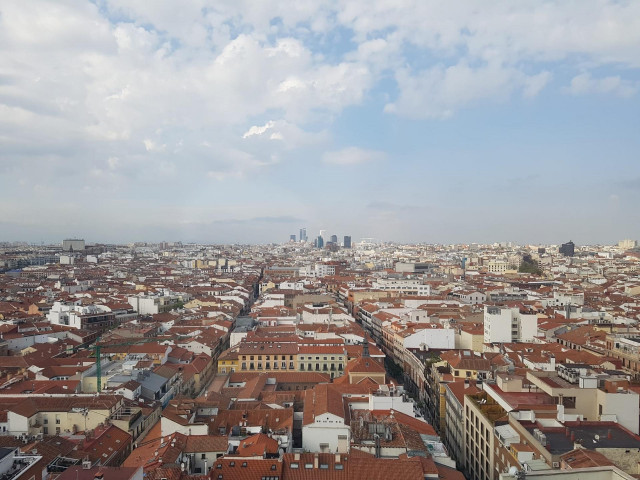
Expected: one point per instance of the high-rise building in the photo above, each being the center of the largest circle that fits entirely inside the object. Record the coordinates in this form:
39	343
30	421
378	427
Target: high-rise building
320	242
73	245
334	239
292	238
567	249
303	235
347	241
627	244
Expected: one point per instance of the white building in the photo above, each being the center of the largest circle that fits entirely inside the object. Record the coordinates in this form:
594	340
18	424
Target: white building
505	325
67	260
410	286
433	338
152	304
79	316
317	270
323	425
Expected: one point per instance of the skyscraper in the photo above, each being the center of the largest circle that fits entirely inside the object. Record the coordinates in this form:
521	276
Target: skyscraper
567	249
292	238
320	242
334	239
347	241
303	235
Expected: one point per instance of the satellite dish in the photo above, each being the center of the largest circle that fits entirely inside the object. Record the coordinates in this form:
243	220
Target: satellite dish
513	471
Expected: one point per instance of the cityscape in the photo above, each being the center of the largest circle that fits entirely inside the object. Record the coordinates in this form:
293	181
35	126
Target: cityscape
319	240
312	357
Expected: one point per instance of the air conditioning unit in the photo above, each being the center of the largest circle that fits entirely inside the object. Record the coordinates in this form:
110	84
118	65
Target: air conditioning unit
556	465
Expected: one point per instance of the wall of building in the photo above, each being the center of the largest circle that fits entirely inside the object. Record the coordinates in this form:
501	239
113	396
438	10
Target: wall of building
623	405
326	430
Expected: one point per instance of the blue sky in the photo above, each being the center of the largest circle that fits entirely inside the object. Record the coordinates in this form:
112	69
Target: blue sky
413	121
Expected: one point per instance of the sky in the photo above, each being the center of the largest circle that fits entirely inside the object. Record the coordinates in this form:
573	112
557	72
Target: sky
241	121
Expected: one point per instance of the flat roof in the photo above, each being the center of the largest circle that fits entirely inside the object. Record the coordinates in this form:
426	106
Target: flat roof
591	435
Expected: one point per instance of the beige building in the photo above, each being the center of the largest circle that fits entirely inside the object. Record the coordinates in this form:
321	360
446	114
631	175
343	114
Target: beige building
481	414
54	415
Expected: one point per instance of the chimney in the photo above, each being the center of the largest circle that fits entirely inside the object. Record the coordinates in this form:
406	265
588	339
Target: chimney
338	459
315	461
296	457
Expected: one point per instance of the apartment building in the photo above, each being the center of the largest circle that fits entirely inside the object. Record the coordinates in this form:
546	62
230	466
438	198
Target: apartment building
481	415
506	325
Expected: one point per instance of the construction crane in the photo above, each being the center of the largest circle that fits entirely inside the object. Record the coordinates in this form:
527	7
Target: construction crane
97	350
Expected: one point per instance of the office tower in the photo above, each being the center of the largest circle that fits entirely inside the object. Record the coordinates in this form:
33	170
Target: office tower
292	238
334	239
320	241
303	235
347	241
567	249
73	245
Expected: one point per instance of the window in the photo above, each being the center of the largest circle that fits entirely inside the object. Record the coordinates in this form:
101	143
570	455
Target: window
244	464
308	465
294	465
57	430
219	466
45	430
203	456
46	420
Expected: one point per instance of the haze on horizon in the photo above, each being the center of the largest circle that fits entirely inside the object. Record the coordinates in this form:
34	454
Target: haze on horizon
237	121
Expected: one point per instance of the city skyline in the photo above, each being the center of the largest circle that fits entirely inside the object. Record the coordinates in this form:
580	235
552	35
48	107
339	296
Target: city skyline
427	122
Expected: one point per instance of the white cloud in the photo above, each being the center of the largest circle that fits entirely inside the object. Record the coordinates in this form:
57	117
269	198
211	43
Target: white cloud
258	130
584	84
290	135
353	156
438	92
